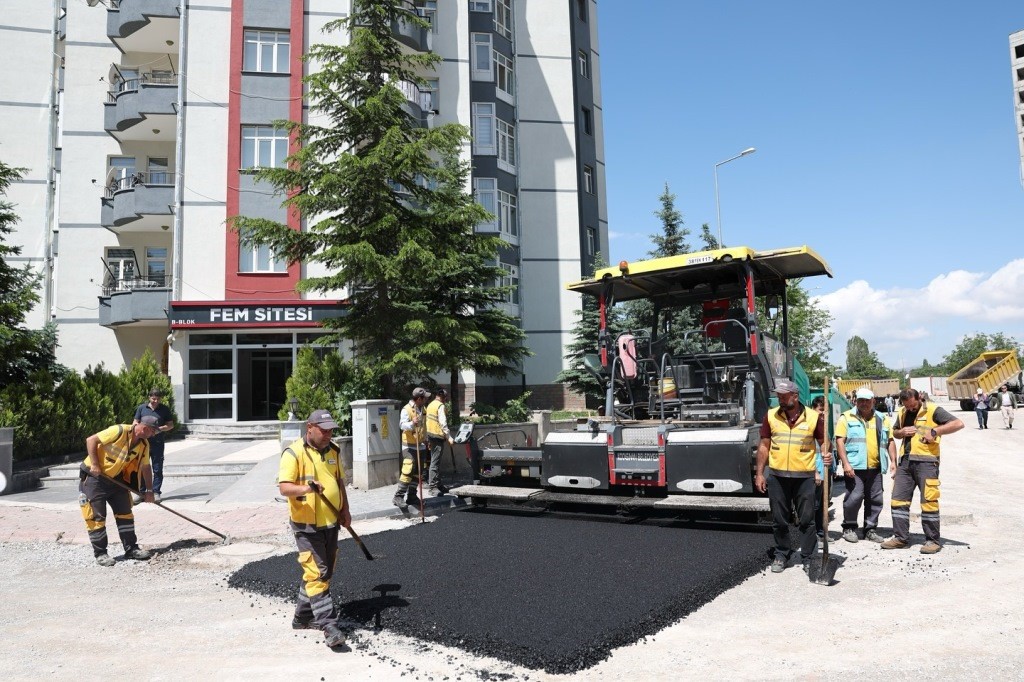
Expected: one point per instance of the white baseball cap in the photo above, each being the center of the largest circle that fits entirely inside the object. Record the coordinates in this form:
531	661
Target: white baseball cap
865	394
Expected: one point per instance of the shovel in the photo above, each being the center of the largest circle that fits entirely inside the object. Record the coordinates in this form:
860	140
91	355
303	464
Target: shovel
821	568
351	531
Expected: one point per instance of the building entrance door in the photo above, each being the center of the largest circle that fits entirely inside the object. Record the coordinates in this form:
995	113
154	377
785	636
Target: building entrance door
268	371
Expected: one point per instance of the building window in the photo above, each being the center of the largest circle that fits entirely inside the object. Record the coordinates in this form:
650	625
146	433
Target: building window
510	278
264	147
427	9
506	77
480	6
121	173
121	268
156	266
583	59
508	215
483	129
591	241
258	258
266	51
587	120
485	191
588	179
581	9
506	146
157	172
482	68
503	18
431	90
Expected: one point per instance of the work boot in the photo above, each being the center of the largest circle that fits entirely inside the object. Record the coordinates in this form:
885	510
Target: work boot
413	500
931	547
138	499
138	554
778	565
895	543
105	560
438	489
333	636
156	497
850	535
399	501
303	623
872	535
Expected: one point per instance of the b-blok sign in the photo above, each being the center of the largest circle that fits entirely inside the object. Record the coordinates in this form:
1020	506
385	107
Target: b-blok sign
245	314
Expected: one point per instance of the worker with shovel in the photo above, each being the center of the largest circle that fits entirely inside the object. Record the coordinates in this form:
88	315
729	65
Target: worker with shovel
311	477
413	423
117	453
788	434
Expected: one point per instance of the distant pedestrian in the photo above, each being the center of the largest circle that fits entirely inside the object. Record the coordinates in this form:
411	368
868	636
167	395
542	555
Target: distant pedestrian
1008	403
921	426
788	435
311	477
890	403
117	453
867	452
413	423
438	434
165	422
981	408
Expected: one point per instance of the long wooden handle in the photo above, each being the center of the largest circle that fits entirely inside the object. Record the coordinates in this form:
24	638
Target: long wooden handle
133	490
826	479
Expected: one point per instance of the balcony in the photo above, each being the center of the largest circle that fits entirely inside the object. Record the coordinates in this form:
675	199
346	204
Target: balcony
418	103
134	301
142	201
411	35
143	25
142	109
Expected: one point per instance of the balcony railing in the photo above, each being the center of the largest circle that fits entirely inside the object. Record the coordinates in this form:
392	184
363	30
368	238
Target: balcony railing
133	84
421	98
133	180
111	285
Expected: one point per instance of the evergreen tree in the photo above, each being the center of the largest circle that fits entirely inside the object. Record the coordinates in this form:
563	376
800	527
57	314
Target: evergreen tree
389	218
863	363
708	239
22	351
672	240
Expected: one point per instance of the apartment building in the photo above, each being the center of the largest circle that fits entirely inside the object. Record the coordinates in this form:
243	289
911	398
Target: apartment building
1017	69
139	122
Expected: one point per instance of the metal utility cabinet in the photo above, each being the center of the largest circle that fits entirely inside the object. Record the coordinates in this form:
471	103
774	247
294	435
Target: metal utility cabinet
376	443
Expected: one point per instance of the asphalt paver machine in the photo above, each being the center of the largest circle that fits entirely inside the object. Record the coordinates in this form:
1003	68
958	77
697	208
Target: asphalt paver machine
682	407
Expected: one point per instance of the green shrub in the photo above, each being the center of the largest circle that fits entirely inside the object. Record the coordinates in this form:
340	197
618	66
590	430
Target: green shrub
143	376
323	380
514	412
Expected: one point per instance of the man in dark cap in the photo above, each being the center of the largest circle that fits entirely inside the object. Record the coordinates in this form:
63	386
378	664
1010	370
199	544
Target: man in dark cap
413	423
788	434
119	452
165	422
312	478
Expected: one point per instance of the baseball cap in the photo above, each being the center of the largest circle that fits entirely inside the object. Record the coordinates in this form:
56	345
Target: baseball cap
785	386
865	394
980	391
323	419
420	393
150	421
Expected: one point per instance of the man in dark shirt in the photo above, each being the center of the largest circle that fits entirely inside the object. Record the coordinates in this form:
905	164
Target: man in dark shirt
165	423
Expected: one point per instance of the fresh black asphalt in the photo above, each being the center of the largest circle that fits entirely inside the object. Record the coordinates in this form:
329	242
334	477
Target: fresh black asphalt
545	593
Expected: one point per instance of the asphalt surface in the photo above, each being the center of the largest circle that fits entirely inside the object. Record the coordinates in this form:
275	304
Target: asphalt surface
546	593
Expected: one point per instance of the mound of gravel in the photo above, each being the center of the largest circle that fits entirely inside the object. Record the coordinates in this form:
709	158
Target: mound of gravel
544	593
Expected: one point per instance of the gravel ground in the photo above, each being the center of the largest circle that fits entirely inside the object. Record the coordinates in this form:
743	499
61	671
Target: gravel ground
544	593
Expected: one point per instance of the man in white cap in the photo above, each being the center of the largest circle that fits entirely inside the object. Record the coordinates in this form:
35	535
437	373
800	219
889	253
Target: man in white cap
312	479
788	434
867	452
981	408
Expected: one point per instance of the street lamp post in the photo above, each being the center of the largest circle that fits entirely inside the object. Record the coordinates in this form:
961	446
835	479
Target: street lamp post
718	206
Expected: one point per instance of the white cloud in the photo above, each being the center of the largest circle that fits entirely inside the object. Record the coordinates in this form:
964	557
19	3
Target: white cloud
911	324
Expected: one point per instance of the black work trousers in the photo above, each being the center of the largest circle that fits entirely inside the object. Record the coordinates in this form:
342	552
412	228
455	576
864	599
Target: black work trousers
784	495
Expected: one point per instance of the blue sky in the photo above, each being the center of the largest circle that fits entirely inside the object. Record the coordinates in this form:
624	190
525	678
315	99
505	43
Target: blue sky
885	140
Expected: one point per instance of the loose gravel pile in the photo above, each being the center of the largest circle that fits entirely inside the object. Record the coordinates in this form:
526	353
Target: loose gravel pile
544	593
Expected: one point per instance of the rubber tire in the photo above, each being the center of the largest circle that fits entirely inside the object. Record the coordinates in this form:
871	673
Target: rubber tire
967	406
994	403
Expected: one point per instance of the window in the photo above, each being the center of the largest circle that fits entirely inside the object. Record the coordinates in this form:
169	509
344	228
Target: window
503	18
427	9
121	173
587	120
591	241
257	258
581	9
510	278
266	51
583	59
431	90
156	266
506	146
506	77
157	172
588	179
508	215
120	271
482	69
264	147
483	129
480	6
485	191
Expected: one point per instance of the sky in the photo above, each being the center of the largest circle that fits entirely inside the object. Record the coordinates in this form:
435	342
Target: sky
885	141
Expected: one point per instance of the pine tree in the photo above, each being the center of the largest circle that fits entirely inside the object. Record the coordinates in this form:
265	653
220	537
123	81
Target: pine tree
389	218
672	240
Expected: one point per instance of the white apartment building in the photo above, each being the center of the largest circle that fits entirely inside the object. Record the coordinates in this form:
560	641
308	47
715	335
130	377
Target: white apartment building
1017	69
137	119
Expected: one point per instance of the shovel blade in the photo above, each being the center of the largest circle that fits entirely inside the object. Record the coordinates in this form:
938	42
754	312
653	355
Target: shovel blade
822	570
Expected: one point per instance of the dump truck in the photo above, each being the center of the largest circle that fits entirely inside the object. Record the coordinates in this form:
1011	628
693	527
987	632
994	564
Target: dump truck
880	387
988	371
683	407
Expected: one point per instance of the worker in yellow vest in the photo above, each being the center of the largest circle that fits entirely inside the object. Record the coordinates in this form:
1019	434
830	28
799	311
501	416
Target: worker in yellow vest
788	434
921	426
413	422
438	433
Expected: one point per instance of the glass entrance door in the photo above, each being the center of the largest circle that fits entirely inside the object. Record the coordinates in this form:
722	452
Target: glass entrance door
269	370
